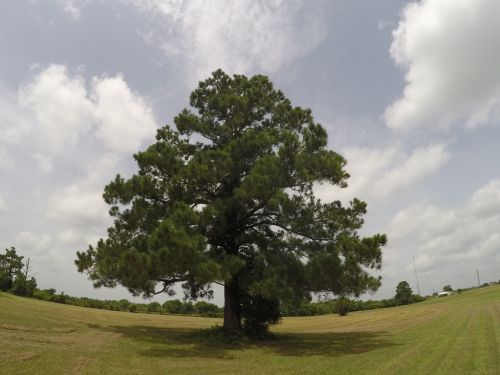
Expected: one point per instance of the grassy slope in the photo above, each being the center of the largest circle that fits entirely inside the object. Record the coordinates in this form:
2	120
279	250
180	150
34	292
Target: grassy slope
452	335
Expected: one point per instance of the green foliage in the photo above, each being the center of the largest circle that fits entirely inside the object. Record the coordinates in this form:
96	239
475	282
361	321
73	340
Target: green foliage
61	298
204	308
173	307
447	288
45	294
10	265
258	313
154	307
343	306
14	274
228	197
5	281
188	308
23	286
201	308
404	294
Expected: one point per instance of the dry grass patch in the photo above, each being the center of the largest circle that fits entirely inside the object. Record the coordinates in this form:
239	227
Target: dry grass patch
452	335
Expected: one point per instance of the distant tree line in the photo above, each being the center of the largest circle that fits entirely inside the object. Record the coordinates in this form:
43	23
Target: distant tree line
200	308
15	278
404	296
203	308
339	306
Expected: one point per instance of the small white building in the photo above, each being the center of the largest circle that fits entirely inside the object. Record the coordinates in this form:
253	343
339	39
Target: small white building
444	294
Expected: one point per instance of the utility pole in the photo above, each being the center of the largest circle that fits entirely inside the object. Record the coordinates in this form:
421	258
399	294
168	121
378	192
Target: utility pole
27	268
478	280
416	278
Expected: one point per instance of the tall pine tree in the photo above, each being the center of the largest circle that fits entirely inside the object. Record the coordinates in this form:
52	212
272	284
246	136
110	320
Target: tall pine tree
227	197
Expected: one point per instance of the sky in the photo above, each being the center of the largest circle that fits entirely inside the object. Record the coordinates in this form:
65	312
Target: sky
409	92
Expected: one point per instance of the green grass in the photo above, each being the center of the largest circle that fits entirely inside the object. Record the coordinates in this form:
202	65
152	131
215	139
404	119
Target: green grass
453	335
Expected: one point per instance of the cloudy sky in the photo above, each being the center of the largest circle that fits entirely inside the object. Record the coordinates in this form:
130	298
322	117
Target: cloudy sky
409	92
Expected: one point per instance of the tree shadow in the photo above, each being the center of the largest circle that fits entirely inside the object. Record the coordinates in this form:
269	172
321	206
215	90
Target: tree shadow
193	343
329	344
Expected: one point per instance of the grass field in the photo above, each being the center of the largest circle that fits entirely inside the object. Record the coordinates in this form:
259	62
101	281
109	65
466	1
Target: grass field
454	335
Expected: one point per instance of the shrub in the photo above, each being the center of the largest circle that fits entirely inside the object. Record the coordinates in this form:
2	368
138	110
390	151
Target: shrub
154	307
343	306
23	286
258	313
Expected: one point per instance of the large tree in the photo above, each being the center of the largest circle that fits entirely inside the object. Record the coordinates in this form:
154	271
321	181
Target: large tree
10	265
227	197
404	294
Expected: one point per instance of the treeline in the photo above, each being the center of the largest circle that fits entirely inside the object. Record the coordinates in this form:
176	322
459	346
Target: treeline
341	306
206	309
200	308
15	278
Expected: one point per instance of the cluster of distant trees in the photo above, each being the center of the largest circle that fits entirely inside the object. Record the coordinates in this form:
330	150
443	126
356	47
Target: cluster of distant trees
335	306
14	278
15	274
342	306
200	308
404	296
203	308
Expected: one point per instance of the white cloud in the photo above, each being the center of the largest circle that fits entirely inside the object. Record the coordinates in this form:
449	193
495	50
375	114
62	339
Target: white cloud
60	105
450	50
52	253
485	203
5	159
73	7
460	238
14	124
56	111
236	36
63	124
80	204
82	131
45	163
3	206
78	212
125	121
33	244
379	172
42	251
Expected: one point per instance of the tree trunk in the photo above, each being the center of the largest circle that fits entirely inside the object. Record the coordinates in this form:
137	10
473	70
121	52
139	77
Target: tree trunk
232	306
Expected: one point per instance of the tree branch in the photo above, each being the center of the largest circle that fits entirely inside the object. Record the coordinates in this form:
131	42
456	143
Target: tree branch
168	282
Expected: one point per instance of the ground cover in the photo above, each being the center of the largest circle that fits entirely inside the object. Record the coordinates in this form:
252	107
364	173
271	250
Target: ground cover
453	335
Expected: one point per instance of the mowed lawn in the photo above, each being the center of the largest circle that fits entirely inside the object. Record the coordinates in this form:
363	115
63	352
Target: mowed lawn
453	335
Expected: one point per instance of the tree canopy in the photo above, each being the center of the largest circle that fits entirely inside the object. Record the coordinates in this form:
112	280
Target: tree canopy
404	294
14	274
227	197
10	265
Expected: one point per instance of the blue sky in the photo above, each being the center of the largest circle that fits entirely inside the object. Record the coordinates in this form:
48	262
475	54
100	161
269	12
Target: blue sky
409	92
